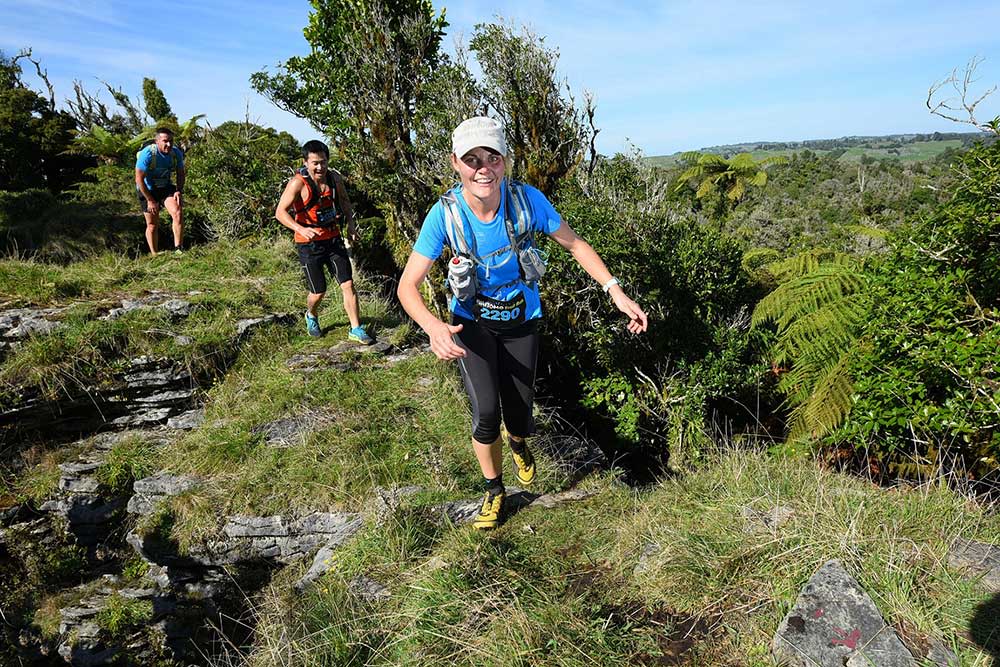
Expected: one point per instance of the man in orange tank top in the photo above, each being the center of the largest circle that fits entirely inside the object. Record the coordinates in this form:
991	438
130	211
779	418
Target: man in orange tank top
314	205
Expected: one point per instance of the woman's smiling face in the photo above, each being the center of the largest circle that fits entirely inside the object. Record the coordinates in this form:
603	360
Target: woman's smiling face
481	170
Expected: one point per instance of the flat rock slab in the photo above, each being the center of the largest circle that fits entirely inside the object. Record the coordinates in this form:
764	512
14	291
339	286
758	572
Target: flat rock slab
835	623
149	491
339	357
978	559
187	420
277	538
249	325
174	307
290	431
20	323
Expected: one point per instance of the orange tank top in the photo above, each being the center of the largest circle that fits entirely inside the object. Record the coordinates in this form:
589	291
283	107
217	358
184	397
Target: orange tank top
321	215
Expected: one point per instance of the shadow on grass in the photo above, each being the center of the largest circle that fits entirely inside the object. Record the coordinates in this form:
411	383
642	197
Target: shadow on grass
984	627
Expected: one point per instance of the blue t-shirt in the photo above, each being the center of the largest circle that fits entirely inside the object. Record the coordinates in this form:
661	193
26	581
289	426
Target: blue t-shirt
503	280
158	165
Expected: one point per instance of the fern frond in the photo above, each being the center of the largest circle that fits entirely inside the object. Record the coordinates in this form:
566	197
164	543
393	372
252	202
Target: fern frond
827	332
827	406
806	294
755	258
707	186
736	192
808	261
820	309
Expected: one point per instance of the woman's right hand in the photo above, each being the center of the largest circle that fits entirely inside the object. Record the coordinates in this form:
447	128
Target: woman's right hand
442	343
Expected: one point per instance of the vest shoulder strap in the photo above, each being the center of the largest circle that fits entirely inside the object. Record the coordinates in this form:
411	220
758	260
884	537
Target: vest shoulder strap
518	209
154	151
455	227
314	194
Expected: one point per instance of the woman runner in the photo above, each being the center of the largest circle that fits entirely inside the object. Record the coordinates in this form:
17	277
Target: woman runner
494	334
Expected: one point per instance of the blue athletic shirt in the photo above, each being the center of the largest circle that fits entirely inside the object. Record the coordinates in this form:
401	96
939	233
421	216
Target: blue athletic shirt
503	283
157	168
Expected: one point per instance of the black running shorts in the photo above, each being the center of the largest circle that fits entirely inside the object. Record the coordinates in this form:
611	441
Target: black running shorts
332	254
159	194
499	374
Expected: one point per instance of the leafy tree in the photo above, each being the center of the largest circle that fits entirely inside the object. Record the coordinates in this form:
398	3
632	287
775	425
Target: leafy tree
362	85
32	133
544	125
725	181
156	102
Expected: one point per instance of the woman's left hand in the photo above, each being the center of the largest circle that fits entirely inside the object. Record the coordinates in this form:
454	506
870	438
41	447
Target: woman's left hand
637	317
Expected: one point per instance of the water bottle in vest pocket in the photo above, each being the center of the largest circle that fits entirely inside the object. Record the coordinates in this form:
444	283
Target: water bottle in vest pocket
462	278
532	263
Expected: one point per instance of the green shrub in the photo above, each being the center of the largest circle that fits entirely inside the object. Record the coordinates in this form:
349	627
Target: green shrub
928	388
660	387
235	178
906	347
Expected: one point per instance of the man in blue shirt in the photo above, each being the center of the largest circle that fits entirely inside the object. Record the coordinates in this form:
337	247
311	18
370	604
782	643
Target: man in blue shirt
153	167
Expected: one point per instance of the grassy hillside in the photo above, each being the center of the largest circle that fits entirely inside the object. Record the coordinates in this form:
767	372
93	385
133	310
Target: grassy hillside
676	574
898	148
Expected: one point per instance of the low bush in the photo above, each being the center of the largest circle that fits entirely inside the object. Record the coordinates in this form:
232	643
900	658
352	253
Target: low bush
698	355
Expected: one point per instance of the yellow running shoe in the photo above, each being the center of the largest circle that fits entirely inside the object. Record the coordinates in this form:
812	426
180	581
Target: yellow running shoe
524	466
489	516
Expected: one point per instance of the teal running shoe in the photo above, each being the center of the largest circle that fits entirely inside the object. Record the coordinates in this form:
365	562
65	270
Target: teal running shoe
312	326
360	335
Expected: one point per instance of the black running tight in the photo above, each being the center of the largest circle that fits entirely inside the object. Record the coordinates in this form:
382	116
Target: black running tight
499	375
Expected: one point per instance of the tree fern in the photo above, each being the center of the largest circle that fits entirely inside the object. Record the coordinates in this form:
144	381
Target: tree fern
819	309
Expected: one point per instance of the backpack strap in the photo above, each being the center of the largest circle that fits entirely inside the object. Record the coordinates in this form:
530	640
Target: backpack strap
462	240
153	151
314	194
518	211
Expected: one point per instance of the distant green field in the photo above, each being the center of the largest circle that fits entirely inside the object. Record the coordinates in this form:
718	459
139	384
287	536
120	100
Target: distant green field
918	151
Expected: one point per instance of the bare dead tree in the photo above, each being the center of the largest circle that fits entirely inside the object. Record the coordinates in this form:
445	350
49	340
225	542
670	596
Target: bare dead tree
962	109
42	74
590	110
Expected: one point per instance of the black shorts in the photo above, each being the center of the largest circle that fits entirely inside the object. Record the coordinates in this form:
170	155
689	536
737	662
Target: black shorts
499	374
332	254
159	194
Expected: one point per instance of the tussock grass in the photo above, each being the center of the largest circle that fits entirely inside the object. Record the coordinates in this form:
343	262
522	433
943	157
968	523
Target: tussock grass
708	558
581	585
624	577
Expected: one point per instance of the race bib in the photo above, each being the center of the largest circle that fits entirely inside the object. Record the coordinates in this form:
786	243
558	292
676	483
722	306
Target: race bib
326	216
500	314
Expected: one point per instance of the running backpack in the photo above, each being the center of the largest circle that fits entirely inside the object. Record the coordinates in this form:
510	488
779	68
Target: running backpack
151	145
314	195
517	222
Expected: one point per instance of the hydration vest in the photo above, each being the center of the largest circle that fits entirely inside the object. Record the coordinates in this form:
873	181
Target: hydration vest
517	222
156	151
313	204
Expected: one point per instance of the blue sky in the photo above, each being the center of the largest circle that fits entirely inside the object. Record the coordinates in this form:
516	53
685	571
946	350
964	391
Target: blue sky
667	76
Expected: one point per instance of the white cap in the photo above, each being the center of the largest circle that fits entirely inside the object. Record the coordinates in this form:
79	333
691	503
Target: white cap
475	132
